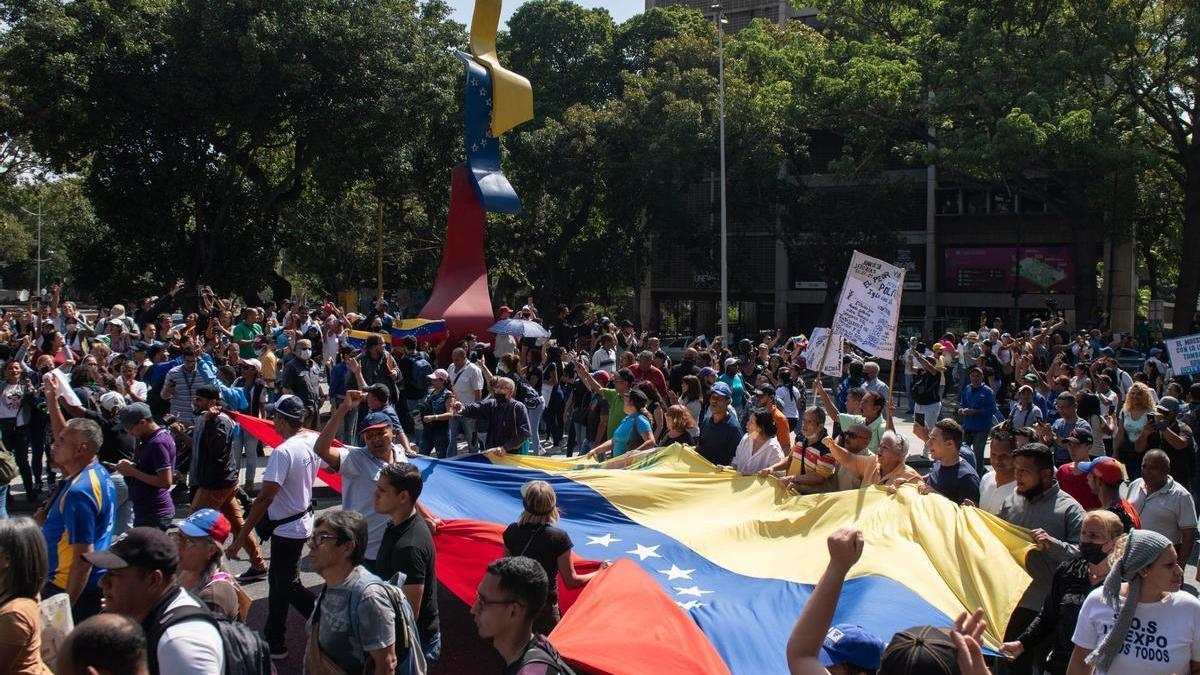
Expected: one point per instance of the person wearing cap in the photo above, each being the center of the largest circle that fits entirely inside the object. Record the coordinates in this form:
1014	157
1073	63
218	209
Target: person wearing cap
1039	504
1173	437
720	432
141	582
1074	579
360	466
201	539
817	648
764	398
255	390
1139	620
1072	478
435	411
214	472
1164	504
1105	477
1026	413
286	499
635	431
731	377
151	472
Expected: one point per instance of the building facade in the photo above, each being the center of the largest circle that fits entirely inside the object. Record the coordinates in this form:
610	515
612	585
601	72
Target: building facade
967	248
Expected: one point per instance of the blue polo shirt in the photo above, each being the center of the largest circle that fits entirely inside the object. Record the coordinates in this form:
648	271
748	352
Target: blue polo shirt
719	440
982	400
83	512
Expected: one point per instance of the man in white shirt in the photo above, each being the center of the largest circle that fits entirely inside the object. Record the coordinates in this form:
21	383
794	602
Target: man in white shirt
141	584
1164	505
605	357
466	380
286	499
996	485
360	468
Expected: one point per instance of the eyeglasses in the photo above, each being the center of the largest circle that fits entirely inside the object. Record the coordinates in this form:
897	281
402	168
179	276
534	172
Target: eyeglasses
480	600
320	539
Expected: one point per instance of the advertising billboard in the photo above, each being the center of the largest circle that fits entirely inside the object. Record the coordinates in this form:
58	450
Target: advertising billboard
1042	269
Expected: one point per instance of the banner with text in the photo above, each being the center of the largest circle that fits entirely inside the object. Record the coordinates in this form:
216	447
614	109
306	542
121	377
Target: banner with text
832	364
869	307
1185	354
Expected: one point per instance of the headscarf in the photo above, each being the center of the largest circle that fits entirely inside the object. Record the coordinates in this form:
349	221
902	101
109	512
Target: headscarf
1142	548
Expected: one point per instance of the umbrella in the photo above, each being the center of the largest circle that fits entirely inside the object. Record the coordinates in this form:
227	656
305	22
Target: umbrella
519	328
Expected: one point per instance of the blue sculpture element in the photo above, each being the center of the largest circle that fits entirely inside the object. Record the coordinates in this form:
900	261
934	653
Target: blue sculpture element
494	191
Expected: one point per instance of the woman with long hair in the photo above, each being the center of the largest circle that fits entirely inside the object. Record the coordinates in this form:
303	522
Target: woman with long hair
681	427
201	540
535	536
1139	621
24	565
654	407
693	397
633	433
1134	428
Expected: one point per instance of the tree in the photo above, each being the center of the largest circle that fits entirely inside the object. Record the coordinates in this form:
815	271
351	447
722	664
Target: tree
195	124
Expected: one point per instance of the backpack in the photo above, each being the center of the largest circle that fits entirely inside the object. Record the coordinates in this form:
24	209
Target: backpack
246	652
541	651
414	385
410	657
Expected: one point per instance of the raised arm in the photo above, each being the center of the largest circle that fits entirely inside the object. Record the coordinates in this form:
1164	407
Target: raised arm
324	444
804	646
826	400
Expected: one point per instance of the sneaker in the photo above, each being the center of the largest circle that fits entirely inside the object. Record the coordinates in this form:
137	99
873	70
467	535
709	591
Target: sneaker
251	575
278	653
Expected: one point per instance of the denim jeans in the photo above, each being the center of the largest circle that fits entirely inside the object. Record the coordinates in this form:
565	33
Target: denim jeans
432	649
436	439
248	456
124	518
535	419
418	432
464	425
581	436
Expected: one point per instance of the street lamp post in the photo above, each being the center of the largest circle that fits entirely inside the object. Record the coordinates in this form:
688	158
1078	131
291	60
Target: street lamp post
719	19
40	212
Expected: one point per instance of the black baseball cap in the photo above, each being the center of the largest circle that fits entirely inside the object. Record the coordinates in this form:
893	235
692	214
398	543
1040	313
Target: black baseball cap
288	405
132	414
921	649
147	547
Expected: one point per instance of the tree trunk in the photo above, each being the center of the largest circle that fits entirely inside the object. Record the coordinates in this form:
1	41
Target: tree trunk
1189	271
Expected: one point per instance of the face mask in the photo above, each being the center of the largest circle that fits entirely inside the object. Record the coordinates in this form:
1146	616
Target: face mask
43	371
1092	552
501	398
305	354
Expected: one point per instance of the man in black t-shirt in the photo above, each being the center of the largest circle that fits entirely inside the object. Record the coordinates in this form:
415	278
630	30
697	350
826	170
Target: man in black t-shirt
511	594
407	547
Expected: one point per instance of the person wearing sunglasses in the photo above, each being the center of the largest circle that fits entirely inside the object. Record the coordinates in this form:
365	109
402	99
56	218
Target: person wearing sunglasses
507	601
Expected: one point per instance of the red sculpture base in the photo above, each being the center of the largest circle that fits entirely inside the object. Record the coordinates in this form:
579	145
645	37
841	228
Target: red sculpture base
460	294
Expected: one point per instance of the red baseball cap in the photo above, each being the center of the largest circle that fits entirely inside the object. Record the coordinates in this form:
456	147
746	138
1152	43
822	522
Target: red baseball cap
1107	469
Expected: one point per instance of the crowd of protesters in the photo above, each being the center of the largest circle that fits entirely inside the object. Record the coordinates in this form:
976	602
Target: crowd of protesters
114	419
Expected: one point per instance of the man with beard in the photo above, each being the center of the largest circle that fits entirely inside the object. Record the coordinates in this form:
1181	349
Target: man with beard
1056	519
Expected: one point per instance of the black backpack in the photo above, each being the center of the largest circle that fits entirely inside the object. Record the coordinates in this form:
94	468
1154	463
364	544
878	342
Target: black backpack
246	653
541	651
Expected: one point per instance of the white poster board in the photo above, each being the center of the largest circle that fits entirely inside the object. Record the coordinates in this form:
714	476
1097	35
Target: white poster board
869	308
1185	354
816	349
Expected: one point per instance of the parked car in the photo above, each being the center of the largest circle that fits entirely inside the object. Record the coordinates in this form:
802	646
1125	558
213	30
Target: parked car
674	346
1130	360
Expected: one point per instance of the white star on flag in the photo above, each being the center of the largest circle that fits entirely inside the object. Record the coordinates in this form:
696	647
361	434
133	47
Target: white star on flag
690	604
601	541
694	590
676	573
644	552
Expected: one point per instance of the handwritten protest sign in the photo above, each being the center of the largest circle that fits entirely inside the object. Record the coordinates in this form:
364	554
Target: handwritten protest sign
1185	354
832	364
869	308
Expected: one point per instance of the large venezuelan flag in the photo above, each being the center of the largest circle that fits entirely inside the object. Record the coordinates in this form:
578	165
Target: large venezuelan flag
738	555
713	568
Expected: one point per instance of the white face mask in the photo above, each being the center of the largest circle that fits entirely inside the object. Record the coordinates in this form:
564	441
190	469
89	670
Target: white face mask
305	354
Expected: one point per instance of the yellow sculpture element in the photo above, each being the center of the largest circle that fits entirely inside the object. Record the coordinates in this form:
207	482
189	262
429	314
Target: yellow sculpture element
512	95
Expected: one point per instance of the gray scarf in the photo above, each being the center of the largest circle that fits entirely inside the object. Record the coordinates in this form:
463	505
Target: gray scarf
1141	549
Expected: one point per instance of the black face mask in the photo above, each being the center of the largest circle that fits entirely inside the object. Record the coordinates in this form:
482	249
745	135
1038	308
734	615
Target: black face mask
500	398
43	371
1092	552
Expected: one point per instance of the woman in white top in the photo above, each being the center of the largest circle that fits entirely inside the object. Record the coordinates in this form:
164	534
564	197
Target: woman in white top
1139	621
135	390
758	449
787	396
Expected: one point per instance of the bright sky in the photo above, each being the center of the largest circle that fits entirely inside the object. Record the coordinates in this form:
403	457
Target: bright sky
620	9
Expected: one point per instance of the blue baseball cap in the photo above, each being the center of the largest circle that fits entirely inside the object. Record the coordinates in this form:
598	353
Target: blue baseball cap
847	644
722	389
206	523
